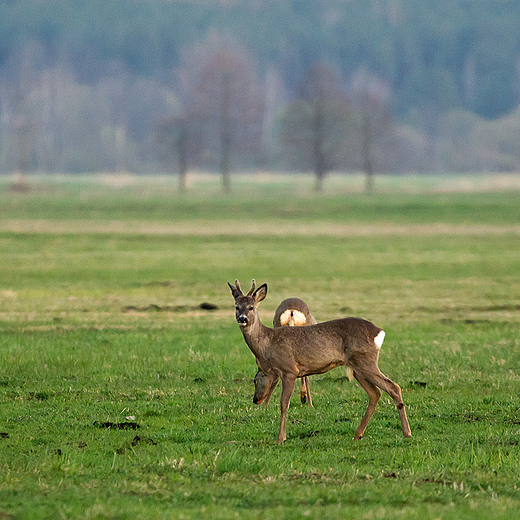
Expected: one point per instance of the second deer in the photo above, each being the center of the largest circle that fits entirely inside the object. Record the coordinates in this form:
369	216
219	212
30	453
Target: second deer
293	352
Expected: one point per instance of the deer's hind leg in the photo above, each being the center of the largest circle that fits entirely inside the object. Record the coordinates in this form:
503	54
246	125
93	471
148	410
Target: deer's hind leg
305	393
373	397
376	377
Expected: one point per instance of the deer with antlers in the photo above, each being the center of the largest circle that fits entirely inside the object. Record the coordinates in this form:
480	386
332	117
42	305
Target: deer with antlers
289	353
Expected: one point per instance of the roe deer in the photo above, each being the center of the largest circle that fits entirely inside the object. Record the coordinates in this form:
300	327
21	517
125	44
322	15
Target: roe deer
292	352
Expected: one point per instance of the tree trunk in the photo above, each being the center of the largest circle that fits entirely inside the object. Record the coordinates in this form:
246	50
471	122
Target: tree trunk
368	165
23	137
225	133
20	183
120	150
182	154
224	166
318	145
318	185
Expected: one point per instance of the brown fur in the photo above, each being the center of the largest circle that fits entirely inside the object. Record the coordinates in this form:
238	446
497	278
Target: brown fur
291	305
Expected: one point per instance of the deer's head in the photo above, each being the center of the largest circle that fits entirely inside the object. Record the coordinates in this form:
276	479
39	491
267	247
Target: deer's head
264	385
247	305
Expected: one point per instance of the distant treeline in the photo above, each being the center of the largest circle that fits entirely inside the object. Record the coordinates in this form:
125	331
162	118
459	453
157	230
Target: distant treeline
108	84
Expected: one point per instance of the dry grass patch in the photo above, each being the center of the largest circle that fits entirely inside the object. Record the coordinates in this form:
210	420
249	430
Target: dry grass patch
257	228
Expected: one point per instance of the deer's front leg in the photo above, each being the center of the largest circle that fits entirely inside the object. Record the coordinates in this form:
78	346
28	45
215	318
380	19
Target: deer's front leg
288	381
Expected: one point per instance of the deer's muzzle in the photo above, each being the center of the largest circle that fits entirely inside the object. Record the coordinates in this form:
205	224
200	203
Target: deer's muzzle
242	320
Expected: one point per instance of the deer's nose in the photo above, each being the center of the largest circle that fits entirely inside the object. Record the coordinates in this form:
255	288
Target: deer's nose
242	319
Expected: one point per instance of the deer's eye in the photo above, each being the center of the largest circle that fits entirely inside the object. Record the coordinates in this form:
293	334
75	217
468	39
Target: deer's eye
251	308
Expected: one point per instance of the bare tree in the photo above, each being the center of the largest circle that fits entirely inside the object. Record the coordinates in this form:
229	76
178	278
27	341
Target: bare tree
314	129
373	120
176	140
24	72
222	100
24	131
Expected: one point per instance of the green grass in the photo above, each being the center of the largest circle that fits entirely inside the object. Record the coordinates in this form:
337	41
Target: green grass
100	328
284	198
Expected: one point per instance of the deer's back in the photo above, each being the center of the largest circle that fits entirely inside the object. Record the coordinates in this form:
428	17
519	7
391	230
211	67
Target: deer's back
327	339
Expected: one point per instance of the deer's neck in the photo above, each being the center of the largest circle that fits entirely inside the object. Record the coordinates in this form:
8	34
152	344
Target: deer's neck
257	338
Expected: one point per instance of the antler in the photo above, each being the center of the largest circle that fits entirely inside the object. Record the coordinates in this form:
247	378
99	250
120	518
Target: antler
236	290
253	287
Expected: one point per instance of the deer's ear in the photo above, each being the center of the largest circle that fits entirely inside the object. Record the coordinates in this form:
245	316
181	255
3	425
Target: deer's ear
260	293
236	292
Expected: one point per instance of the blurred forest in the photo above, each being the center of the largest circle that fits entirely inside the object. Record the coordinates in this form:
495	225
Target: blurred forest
307	85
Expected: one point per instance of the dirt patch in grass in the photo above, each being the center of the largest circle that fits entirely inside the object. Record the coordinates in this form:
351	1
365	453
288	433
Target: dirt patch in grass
108	425
308	435
205	306
136	441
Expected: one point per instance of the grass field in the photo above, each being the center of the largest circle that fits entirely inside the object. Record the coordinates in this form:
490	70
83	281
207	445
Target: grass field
121	398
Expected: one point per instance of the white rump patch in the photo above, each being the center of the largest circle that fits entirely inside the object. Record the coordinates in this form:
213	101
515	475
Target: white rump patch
378	340
292	318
